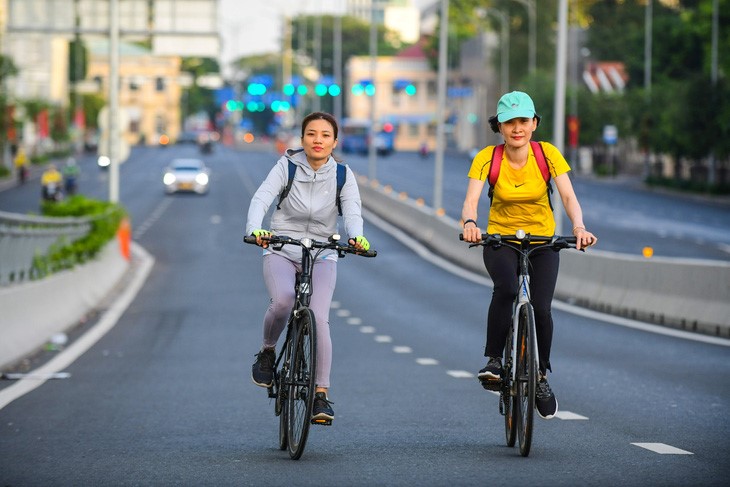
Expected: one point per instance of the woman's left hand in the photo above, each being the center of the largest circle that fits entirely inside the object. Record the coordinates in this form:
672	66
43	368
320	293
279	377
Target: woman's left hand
360	243
584	238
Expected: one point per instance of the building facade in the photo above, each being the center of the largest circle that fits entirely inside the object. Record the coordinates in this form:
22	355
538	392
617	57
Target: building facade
149	90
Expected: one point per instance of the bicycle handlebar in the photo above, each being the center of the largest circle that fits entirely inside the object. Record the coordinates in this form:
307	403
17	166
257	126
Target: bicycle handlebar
308	243
525	239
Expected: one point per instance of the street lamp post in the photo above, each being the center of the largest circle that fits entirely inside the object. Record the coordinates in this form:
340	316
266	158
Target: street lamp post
559	107
441	109
532	19
504	43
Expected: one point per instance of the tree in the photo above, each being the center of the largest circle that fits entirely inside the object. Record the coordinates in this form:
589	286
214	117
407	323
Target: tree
355	43
197	98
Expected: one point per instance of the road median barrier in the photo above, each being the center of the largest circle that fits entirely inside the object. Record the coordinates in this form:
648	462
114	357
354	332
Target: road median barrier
690	294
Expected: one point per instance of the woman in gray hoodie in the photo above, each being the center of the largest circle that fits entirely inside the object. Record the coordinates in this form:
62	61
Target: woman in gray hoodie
309	210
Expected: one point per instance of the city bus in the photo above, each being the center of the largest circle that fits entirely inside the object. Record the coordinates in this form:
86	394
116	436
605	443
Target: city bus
354	137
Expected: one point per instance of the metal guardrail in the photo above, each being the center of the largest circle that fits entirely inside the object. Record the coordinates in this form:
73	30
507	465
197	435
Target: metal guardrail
23	237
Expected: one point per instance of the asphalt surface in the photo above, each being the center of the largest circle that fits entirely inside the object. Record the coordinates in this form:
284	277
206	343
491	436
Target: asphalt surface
165	397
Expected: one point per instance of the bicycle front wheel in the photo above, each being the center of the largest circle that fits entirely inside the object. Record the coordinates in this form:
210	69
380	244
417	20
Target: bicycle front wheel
526	377
505	395
280	405
300	397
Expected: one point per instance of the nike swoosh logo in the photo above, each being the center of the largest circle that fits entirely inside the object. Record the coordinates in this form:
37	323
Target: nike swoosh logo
518	185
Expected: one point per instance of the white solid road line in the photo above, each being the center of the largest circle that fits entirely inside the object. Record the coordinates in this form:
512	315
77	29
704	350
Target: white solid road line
88	339
428	255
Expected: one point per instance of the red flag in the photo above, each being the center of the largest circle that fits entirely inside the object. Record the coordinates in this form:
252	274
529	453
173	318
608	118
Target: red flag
79	119
42	122
573	129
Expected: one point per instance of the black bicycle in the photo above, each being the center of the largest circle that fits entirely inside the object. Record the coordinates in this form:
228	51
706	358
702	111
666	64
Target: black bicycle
295	367
518	384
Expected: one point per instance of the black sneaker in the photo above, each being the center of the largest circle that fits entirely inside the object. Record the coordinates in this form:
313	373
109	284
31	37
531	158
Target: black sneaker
491	375
492	371
545	401
262	371
322	412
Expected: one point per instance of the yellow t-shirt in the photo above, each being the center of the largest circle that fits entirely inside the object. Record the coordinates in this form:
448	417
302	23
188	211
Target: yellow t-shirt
520	199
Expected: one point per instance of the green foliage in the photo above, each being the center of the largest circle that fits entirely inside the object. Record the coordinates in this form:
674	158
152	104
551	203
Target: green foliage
7	68
4	172
355	43
196	98
105	220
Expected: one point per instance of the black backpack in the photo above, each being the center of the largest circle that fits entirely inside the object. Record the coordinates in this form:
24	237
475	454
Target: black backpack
341	178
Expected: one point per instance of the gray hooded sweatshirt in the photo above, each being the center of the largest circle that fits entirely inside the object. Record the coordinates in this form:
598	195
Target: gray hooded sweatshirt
310	209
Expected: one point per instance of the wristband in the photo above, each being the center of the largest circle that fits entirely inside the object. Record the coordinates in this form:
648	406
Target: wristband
472	221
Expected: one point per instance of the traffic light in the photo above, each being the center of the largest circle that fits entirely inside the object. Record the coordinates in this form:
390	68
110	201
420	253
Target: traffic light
364	86
256	89
320	89
410	90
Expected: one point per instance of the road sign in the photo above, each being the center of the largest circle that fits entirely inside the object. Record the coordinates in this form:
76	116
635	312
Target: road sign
610	134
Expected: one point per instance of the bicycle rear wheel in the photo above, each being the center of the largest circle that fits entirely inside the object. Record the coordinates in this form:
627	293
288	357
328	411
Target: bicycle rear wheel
505	395
300	397
526	377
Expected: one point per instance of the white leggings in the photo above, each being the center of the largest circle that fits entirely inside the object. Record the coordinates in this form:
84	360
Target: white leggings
279	276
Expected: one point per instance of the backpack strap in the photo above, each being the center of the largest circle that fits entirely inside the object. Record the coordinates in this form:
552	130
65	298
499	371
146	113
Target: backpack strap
494	168
544	169
496	165
285	192
341	178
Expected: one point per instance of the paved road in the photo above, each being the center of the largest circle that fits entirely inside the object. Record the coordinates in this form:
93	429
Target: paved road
165	397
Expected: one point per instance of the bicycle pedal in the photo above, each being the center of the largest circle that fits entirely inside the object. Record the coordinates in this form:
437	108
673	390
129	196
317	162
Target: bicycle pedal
492	385
322	422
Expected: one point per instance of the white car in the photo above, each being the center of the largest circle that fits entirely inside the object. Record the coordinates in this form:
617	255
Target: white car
186	175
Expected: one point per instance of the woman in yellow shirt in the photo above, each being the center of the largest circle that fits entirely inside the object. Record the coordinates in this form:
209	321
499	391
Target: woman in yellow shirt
521	201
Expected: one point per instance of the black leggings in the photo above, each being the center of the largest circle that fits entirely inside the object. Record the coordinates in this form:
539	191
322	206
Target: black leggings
503	267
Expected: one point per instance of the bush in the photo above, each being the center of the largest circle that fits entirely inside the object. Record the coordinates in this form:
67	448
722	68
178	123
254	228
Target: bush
105	220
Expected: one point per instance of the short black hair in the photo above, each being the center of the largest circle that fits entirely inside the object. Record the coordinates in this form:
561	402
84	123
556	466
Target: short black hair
494	123
320	116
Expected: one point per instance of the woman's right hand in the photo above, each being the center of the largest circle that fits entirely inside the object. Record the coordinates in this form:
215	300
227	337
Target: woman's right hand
472	233
259	234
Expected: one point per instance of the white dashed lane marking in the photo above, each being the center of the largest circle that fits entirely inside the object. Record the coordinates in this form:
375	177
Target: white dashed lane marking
569	416
463	374
663	449
460	374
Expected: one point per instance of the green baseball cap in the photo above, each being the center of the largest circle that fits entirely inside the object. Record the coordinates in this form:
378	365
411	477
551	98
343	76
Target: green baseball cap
515	105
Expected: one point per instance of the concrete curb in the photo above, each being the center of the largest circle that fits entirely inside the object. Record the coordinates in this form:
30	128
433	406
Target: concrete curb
690	294
34	311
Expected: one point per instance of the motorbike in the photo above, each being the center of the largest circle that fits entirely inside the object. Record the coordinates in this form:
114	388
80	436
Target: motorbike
52	192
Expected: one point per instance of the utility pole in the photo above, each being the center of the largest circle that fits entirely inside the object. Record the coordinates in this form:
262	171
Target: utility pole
372	155
337	71
559	108
114	101
441	109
